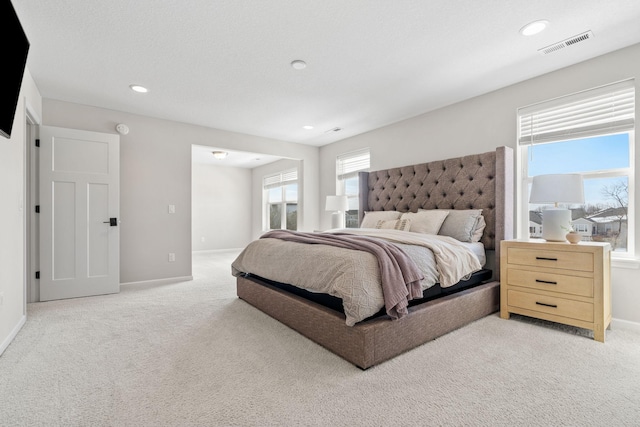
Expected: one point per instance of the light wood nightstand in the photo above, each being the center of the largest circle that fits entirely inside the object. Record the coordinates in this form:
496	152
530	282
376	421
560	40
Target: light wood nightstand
560	282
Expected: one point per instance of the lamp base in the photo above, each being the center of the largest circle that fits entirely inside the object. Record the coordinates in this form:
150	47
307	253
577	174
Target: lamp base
552	222
337	220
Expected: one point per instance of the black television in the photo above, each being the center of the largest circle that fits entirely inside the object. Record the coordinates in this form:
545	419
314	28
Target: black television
14	61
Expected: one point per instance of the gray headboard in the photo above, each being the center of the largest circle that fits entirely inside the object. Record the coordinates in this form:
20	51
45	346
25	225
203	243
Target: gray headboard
479	181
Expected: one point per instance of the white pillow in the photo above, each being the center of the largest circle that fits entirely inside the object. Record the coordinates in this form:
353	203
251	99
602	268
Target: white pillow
426	221
463	224
394	224
371	218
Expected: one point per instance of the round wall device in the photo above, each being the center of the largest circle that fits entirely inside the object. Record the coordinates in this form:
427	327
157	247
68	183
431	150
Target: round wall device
122	129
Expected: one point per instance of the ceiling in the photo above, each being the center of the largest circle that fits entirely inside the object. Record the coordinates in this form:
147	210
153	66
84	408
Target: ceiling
238	159
226	63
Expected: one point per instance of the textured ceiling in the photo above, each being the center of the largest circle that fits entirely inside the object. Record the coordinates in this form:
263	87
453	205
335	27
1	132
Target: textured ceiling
225	64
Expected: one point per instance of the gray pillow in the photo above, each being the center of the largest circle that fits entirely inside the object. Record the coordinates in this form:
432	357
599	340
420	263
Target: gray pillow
463	224
479	229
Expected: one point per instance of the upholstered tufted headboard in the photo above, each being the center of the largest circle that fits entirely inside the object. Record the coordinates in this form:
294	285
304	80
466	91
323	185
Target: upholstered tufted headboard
480	181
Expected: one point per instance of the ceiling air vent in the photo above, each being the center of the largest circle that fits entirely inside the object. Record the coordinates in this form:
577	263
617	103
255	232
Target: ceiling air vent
566	43
333	130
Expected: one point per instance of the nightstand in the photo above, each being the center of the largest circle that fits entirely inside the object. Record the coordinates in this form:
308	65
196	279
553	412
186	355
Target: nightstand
557	281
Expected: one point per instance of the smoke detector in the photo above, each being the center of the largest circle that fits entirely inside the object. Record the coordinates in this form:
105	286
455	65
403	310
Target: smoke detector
122	129
566	43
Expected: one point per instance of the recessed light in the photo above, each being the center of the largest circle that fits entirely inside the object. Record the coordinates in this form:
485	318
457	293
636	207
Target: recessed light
299	64
307	127
534	27
139	89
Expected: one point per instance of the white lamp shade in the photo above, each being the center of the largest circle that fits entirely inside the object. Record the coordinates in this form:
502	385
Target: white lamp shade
557	188
337	203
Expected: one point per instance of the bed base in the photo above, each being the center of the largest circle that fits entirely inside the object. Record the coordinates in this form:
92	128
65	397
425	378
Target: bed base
372	341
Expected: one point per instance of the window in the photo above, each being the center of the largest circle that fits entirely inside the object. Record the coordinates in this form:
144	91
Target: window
281	200
581	228
591	133
347	167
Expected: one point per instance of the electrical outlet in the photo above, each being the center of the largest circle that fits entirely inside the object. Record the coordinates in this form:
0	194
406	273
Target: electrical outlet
1	298
202	239
172	257
172	209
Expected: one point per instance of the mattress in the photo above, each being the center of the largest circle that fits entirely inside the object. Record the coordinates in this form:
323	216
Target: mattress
336	304
352	275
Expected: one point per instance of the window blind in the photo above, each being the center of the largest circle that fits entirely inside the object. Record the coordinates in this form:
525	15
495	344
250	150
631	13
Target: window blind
280	179
348	165
606	109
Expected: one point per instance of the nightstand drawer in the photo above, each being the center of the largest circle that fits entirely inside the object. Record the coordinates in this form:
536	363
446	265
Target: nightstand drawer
553	282
580	261
551	305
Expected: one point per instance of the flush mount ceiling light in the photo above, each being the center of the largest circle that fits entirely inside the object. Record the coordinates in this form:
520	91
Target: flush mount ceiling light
139	89
299	64
307	127
220	154
534	27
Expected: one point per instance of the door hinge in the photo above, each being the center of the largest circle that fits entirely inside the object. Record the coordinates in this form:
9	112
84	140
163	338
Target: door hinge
37	274
37	143
37	208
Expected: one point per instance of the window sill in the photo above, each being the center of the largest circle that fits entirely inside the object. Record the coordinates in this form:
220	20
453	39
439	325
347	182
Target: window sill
627	263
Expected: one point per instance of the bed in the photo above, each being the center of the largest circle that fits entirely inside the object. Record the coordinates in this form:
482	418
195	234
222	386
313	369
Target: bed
482	182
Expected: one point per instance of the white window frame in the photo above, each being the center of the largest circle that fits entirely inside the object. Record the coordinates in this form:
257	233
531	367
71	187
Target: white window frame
620	119
280	179
348	165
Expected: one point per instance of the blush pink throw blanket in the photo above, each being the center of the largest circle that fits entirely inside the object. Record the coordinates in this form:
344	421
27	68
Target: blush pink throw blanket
400	276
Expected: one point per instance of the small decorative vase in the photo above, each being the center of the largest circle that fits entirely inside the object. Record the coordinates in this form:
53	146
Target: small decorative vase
574	237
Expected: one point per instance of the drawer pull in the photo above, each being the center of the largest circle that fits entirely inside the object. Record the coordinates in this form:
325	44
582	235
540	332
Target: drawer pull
546	258
547	305
546	281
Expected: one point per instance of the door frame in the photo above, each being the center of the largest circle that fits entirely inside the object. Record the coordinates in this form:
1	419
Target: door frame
31	235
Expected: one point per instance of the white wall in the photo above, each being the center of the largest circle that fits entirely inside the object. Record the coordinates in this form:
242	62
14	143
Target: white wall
12	215
485	122
155	165
221	207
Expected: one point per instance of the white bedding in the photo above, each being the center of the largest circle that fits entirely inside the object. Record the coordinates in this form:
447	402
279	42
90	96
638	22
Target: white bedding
354	275
478	250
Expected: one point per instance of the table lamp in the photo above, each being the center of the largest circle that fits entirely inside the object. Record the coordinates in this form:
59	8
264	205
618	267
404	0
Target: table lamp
338	205
556	188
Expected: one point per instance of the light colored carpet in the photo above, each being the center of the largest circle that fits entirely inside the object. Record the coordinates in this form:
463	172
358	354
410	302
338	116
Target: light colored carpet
192	354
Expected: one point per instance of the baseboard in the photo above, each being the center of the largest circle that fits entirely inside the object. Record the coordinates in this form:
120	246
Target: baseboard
166	281
212	251
625	324
13	334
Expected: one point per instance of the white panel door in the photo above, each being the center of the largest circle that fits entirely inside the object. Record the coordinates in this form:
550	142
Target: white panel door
79	211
